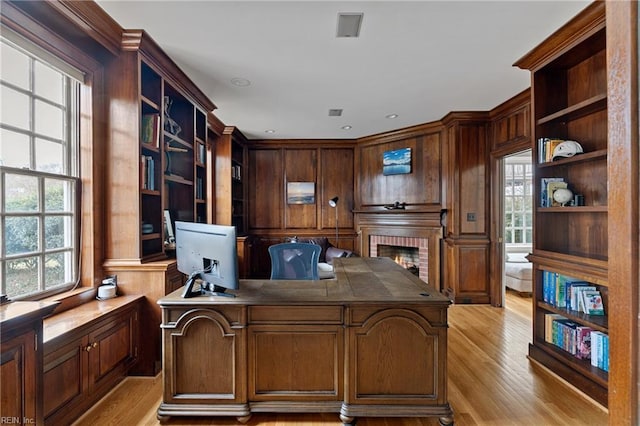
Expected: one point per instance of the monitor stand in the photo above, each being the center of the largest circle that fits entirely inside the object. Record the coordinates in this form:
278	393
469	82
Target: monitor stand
205	288
216	290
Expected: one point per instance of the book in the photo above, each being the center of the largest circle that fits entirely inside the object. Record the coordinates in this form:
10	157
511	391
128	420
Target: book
572	289
548	326
593	302
580	298
583	342
150	129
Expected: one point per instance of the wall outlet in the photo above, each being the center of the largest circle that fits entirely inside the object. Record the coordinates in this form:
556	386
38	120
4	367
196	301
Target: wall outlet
471	217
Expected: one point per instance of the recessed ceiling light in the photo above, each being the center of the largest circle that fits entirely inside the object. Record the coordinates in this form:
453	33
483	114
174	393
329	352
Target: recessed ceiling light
392	116
269	131
347	127
240	82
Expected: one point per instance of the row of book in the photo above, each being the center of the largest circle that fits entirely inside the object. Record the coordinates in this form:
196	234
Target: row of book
566	292
546	147
236	172
201	154
148	172
547	187
199	188
580	341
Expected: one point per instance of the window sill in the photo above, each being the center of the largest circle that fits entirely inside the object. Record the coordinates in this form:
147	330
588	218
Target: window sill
72	298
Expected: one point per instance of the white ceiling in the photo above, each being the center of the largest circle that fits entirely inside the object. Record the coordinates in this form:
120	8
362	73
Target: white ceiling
418	59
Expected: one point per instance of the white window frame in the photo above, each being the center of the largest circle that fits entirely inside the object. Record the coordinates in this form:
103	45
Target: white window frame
526	226
70	144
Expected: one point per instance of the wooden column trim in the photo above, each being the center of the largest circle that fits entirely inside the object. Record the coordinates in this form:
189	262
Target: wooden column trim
624	219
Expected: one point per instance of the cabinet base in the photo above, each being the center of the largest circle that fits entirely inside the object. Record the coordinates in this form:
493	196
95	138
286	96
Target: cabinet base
592	389
348	413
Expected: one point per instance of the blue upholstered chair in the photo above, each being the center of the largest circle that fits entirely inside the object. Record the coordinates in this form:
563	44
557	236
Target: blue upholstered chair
294	261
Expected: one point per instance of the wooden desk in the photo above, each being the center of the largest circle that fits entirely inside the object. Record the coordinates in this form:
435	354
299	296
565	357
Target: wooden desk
372	342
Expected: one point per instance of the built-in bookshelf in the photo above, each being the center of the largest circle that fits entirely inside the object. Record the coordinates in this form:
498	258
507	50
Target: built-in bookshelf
569	103
231	178
157	167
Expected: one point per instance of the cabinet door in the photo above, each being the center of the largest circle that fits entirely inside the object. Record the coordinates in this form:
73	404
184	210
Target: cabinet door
18	385
204	359
64	378
112	349
296	362
412	351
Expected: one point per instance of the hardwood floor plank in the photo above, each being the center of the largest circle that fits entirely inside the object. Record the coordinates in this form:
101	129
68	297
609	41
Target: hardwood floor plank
491	382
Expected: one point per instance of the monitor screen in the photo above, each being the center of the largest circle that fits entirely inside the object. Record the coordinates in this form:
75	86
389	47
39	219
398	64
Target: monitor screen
208	253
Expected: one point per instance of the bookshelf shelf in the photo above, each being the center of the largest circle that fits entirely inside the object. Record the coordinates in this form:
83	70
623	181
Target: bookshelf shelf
152	236
586	107
574	209
149	103
583	366
150	192
587	156
177	179
599	323
570	244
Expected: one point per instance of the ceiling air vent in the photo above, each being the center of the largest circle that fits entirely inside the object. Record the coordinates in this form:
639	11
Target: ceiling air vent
335	112
349	24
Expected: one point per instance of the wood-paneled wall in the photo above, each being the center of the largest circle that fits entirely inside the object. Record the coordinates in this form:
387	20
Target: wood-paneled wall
328	164
467	254
418	189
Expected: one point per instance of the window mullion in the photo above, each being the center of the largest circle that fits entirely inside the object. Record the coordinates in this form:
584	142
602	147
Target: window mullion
42	237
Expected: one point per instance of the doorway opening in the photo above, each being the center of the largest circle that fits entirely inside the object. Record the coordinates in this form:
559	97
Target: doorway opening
517	217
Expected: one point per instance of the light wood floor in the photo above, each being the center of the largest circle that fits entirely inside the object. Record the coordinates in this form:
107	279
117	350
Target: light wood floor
491	382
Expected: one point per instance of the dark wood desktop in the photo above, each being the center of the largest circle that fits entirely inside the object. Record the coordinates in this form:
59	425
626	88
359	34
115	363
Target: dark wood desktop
372	342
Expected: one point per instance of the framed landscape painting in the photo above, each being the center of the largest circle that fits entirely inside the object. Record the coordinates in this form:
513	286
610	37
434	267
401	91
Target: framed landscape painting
396	162
301	193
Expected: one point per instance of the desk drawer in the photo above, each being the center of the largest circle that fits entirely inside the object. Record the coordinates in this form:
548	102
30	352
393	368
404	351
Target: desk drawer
295	315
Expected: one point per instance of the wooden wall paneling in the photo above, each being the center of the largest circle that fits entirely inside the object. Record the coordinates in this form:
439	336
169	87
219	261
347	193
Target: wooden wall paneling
336	179
472	166
420	187
223	179
266	190
624	208
301	165
467	248
511	125
510	133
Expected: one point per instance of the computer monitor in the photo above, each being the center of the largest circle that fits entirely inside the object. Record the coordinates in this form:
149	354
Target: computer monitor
208	253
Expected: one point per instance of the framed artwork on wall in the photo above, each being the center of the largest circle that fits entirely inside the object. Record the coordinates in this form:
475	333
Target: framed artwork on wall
301	193
396	162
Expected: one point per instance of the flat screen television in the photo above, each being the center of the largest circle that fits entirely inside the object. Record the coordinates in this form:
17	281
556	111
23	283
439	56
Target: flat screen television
207	254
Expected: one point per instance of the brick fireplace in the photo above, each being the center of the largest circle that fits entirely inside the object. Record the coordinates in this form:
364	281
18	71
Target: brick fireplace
409	252
404	228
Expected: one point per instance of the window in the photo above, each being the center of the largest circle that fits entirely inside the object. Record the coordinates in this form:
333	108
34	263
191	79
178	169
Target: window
518	200
39	176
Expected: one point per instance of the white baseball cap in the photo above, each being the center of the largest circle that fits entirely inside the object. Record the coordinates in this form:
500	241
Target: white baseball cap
567	149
